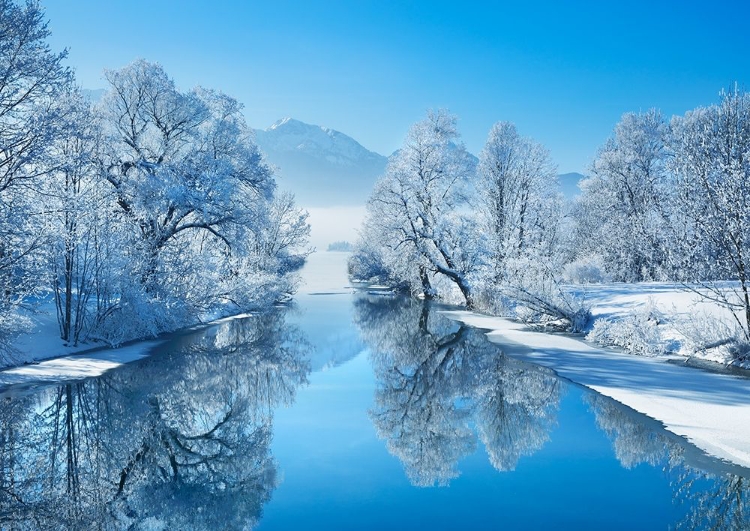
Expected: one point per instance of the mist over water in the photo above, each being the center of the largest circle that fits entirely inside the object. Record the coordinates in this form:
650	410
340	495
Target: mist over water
332	224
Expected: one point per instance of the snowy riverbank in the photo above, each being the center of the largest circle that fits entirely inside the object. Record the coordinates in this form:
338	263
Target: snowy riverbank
706	408
42	358
47	361
676	320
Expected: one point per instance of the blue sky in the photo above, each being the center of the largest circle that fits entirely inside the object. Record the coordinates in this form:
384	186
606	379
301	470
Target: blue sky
563	72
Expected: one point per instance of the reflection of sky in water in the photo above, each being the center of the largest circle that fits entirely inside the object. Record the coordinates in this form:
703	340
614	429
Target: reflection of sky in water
337	474
326	322
323	311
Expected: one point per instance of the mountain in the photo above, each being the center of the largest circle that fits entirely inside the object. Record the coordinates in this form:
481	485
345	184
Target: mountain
569	184
323	167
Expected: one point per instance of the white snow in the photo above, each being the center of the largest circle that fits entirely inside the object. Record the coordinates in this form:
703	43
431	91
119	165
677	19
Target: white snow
73	367
43	341
618	299
710	410
43	358
677	305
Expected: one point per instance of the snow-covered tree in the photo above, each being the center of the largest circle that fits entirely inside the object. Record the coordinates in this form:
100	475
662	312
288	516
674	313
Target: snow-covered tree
622	212
31	78
414	211
77	204
520	216
517	191
378	256
180	163
711	229
198	197
495	237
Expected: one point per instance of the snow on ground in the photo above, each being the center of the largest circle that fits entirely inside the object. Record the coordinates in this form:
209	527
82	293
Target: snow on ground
710	410
43	358
17	380
43	341
615	300
678	306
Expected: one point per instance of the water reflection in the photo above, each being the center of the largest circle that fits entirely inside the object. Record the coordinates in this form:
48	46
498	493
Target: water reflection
442	388
442	385
178	441
719	499
182	440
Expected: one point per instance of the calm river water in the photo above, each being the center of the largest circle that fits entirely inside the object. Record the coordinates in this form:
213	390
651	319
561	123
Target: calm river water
348	411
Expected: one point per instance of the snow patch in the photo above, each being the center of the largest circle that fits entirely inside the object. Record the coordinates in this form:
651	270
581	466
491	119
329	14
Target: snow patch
707	409
70	368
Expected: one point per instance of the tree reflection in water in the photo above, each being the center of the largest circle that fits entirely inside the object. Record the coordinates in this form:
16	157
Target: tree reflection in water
178	441
718	500
442	384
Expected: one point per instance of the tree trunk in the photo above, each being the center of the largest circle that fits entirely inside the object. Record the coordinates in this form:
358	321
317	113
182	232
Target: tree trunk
466	292
67	317
427	290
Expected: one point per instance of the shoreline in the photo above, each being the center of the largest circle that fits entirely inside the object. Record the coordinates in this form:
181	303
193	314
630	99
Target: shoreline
90	362
703	407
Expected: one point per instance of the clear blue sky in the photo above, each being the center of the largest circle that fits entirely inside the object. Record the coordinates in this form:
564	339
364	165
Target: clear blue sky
564	72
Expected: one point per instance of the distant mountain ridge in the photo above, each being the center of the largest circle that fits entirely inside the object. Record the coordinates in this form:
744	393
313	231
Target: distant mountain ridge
322	166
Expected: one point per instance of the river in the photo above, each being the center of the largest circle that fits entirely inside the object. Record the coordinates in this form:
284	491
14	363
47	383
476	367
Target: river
350	410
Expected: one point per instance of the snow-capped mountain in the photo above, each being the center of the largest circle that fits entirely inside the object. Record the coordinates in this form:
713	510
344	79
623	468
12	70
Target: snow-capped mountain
323	167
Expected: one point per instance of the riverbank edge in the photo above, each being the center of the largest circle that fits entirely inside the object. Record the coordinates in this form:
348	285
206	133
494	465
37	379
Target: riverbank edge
93	361
680	397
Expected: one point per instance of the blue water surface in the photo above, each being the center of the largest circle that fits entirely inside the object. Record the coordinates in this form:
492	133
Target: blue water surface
338	474
347	411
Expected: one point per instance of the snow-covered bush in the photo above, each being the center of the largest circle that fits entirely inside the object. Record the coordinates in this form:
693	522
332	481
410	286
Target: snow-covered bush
366	263
714	338
638	332
490	298
586	270
539	296
558	310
